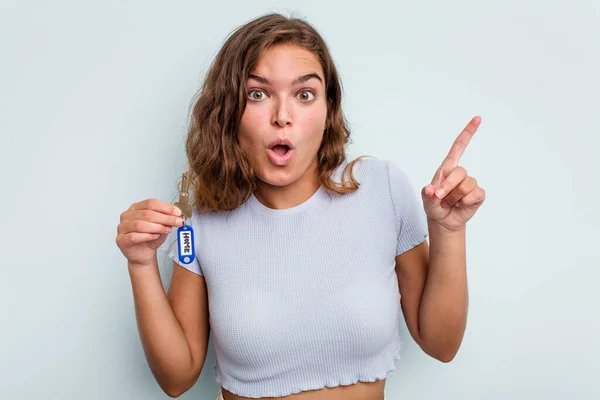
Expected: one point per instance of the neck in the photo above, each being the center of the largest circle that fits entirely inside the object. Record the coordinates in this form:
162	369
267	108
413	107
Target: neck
282	197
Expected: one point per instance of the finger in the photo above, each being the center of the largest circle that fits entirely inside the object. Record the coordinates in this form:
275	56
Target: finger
151	216
474	198
137	237
468	185
156	217
438	177
461	142
142	227
454	178
156	205
428	197
428	191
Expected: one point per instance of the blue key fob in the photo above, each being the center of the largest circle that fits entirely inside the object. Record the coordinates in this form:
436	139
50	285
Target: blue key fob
185	240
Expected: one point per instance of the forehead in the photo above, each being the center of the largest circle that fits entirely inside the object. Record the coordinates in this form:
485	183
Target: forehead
286	62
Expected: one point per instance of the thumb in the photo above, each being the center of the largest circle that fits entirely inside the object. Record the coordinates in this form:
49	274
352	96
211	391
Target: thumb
428	195
428	191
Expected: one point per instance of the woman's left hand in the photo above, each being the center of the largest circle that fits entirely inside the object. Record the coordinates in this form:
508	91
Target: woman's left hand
453	197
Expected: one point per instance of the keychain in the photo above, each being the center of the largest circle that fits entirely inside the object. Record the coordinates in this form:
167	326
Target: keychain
185	233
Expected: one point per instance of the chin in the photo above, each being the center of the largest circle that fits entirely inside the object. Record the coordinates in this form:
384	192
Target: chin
278	178
272	181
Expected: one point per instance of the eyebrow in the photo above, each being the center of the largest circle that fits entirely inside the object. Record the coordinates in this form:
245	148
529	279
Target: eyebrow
300	79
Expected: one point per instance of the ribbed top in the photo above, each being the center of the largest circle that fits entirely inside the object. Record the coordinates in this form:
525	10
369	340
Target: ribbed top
318	196
307	297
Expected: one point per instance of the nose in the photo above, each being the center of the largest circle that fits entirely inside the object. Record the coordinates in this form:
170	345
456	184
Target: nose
282	115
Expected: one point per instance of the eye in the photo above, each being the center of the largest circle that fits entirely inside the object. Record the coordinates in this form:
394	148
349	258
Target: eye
256	95
306	94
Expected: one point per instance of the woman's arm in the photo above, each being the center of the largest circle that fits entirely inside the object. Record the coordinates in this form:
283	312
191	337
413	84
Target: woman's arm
433	285
173	327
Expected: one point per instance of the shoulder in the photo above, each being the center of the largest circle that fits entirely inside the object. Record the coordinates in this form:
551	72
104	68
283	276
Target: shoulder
384	177
371	169
365	166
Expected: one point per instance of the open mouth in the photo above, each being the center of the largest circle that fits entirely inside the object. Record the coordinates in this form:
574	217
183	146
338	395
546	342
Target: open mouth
280	149
280	154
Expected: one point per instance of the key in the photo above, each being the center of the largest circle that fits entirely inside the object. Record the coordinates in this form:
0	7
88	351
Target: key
184	198
185	233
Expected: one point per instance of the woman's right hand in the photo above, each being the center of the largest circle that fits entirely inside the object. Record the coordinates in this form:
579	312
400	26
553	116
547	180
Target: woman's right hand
143	229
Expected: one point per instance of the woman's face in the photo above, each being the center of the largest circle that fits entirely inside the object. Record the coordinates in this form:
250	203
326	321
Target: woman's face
286	100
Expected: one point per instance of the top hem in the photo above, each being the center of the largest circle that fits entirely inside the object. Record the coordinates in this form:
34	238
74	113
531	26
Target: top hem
339	381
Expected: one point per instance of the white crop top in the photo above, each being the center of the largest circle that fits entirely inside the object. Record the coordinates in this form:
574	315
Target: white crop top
307	297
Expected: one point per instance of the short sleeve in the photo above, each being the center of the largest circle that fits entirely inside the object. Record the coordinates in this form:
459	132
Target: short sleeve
408	206
171	249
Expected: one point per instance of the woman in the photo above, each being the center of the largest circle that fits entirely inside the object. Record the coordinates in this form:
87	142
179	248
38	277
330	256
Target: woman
300	255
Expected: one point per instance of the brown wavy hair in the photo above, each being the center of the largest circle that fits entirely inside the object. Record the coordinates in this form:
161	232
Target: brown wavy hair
221	177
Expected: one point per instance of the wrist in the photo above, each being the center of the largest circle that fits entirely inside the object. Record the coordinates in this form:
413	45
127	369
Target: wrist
134	267
437	228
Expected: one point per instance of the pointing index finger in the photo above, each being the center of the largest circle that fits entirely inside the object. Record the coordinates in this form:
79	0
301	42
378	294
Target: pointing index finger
461	142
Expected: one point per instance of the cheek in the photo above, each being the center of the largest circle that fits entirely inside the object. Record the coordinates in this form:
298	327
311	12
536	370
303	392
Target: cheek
318	115
253	117
314	121
249	127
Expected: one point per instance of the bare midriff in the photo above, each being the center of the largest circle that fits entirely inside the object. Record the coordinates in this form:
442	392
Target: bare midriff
357	391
